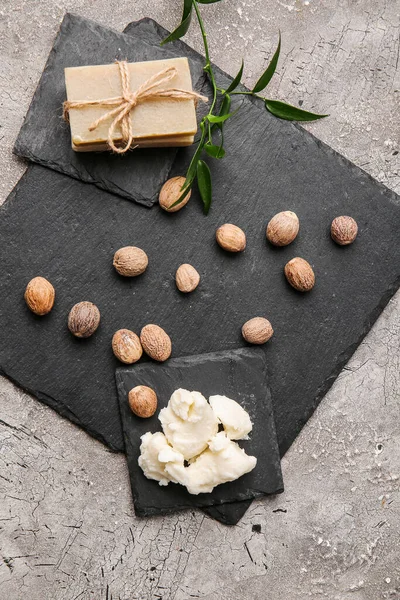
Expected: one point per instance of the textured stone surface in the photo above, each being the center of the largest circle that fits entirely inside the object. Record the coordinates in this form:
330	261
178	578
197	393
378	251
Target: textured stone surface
66	509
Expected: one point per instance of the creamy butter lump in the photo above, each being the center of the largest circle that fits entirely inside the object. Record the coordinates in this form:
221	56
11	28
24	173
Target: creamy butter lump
188	422
234	418
155	453
223	461
190	426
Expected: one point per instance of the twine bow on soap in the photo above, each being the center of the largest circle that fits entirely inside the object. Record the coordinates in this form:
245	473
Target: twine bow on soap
125	103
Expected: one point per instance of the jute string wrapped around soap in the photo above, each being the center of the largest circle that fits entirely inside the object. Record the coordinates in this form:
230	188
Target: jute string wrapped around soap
125	103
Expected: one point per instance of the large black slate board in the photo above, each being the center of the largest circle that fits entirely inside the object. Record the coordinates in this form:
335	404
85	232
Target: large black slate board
45	138
65	230
239	374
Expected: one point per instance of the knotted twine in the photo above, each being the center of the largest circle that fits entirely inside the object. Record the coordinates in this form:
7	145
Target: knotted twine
125	103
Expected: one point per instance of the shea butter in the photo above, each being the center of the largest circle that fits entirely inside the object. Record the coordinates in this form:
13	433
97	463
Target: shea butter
155	454
191	451
188	422
232	416
223	461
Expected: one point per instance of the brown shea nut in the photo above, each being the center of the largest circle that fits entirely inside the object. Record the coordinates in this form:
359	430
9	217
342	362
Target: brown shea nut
300	275
283	228
170	192
126	346
231	238
83	319
156	342
344	230
39	296
257	331
143	401
187	278
130	261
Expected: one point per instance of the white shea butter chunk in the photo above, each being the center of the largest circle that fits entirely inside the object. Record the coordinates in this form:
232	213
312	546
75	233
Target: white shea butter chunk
155	455
223	461
235	420
188	422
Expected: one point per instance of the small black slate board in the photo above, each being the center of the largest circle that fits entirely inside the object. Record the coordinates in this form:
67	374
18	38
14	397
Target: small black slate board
238	374
45	138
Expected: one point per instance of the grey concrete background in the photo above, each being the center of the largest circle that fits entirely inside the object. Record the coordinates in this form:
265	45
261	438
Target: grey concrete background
67	528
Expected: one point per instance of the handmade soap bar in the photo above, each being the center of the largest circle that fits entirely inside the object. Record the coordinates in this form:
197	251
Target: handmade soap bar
168	142
156	121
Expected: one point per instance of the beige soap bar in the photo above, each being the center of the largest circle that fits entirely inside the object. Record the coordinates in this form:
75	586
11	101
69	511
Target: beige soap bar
168	142
160	121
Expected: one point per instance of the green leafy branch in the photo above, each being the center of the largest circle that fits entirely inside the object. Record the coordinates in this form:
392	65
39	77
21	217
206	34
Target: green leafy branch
213	123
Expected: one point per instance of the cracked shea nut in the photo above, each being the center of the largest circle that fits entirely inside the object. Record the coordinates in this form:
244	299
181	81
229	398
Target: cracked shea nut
231	238
83	319
300	275
187	278
170	192
130	261
257	331
39	296
126	346
156	342
344	230
142	401
283	228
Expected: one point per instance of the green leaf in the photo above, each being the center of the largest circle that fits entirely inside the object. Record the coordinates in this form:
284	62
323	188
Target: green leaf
183	195
225	106
191	172
237	79
179	31
224	110
204	183
289	112
269	71
187	8
220	118
184	24
214	151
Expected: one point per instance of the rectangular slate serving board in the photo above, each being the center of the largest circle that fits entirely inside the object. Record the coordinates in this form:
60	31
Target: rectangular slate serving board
67	231
239	374
45	138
